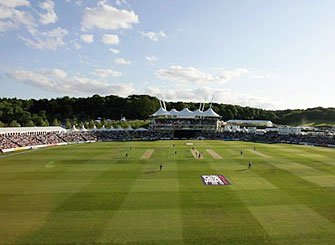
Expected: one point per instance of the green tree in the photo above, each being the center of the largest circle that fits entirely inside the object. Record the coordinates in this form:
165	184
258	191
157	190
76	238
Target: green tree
14	123
98	125
55	122
68	125
45	123
135	124
91	124
124	124
115	125
30	123
229	115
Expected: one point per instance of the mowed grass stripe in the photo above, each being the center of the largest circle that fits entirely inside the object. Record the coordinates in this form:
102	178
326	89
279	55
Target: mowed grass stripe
237	172
320	200
309	174
258	153
308	155
265	209
282	154
27	188
82	208
32	211
268	197
151	210
293	222
307	166
213	214
133	194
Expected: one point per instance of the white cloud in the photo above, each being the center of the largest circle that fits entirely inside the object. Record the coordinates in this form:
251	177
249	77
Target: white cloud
46	40
57	73
55	81
24	18
107	17
191	74
50	16
118	2
14	3
87	38
11	18
5	12
110	39
122	61
221	95
229	74
103	73
58	81
76	2
154	36
114	51
6	25
152	59
77	46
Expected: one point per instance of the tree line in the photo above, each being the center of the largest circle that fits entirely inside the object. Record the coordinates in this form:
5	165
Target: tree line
69	111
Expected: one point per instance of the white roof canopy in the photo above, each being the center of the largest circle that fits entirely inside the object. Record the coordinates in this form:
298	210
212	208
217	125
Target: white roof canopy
74	129
159	112
83	129
210	113
129	128
119	128
141	129
94	128
23	130
185	113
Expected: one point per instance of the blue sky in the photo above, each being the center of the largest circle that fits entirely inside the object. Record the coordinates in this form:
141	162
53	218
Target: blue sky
265	54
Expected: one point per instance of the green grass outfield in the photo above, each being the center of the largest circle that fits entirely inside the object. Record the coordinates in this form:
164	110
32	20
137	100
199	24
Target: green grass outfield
92	194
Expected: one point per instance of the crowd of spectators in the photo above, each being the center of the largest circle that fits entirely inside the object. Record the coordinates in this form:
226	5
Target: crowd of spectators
270	137
133	135
6	142
185	121
52	138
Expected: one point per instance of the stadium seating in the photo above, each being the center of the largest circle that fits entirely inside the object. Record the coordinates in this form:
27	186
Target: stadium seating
52	138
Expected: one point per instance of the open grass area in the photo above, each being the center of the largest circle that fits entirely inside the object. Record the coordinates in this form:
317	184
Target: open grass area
94	194
314	123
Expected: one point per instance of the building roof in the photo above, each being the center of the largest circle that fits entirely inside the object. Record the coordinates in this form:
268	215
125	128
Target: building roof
248	121
103	128
119	128
129	128
83	129
22	130
159	112
141	129
94	128
73	129
210	113
185	113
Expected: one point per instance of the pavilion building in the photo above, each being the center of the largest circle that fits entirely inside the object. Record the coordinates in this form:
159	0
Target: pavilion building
185	123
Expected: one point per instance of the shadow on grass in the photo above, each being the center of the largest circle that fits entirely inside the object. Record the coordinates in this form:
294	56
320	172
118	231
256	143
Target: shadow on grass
241	170
150	172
